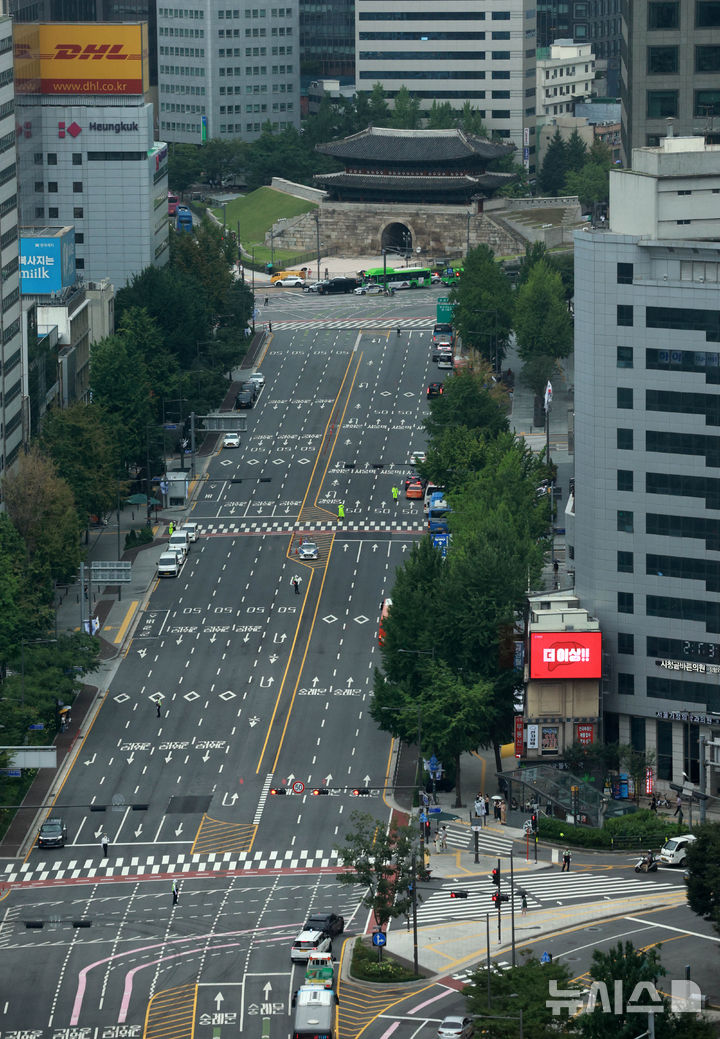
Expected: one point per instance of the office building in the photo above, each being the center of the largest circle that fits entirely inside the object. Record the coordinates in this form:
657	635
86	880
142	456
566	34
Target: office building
670	70
11	398
461	52
327	41
642	524
565	74
596	22
85	147
226	72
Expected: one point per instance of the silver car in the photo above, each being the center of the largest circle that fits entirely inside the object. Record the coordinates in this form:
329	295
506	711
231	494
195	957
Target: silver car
308	550
456	1028
258	378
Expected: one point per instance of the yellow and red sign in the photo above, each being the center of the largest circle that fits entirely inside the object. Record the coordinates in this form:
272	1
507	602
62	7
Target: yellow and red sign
69	58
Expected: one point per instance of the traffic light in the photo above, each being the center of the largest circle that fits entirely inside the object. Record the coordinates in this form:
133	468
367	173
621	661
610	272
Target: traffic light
361	791
498	898
458	893
278	790
496	878
320	790
534	822
426	831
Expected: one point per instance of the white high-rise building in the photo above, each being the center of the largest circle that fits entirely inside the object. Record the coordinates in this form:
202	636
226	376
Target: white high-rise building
466	50
11	427
225	72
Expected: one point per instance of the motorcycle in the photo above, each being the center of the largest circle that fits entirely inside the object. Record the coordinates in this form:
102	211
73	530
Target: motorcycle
643	866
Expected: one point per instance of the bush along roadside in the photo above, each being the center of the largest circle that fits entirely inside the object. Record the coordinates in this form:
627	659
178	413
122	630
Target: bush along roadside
640	830
365	966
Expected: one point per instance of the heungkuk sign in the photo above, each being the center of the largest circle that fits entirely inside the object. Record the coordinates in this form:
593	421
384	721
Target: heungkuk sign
565	654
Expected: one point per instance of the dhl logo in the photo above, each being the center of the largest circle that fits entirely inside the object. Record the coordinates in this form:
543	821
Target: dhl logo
89	52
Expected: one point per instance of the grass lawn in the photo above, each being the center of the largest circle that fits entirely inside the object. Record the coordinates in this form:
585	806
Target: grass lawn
258	211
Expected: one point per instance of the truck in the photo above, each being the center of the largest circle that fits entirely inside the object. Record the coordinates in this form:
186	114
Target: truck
314	1013
320	970
437	516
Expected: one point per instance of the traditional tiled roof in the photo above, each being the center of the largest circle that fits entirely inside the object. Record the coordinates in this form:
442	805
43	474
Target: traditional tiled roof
383	144
464	185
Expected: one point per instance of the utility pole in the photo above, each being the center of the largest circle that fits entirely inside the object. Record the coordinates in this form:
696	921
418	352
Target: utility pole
317	240
416	969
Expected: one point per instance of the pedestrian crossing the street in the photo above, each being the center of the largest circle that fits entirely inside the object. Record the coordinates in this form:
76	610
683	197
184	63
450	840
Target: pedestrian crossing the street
543	890
40	867
490	842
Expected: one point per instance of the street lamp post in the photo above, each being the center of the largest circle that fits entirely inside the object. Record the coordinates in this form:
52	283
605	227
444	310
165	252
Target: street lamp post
253	289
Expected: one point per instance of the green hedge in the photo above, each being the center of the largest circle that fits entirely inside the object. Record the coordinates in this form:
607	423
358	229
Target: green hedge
639	830
365	966
134	538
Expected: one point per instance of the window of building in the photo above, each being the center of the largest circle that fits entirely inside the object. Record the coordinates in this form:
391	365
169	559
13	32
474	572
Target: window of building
625	521
707	59
637	732
624	439
625	603
624	397
37	158
707	14
53	213
624	357
664	749
52	159
625	562
39	187
626	643
624	479
626	685
77	159
662	104
662	61
707	102
624	315
77	212
79	238
79	264
77	187
624	274
53	186
664	15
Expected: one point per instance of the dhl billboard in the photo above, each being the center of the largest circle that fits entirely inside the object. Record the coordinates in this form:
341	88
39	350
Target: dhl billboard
71	58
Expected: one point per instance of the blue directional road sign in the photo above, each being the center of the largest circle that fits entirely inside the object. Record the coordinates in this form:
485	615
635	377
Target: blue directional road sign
379	938
435	809
423	817
546	958
37	727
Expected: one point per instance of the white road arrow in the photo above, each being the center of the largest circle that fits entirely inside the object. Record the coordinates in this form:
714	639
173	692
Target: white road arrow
348	441
131	758
335	483
374	548
315	680
264	684
290	778
90	761
252	722
231	802
328	777
404	548
142	652
98	832
267	989
178	640
282	638
206	756
168	758
345	547
138	831
179	830
274	658
218	1000
349	683
247	638
366	780
213	637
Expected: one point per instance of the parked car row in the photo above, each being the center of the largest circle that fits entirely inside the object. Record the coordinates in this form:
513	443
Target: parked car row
176	552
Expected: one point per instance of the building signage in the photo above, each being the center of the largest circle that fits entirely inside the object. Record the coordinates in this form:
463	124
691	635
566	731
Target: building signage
518	735
584	733
687	716
47	263
533	742
70	58
565	654
687	665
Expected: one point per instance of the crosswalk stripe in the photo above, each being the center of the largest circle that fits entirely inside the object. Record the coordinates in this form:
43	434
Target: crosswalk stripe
375	324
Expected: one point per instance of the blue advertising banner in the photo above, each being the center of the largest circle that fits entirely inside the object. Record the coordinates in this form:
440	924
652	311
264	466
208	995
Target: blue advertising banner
47	263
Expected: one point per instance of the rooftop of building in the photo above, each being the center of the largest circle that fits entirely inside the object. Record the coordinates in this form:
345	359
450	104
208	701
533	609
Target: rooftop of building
386	144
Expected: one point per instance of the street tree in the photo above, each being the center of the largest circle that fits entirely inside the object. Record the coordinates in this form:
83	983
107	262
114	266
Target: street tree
42	509
703	863
120	385
378	109
534	253
25	602
380	860
575	152
496	1002
483	301
591	184
543	326
184	166
471	121
442	116
472	400
406	110
454	454
634	976
79	440
553	172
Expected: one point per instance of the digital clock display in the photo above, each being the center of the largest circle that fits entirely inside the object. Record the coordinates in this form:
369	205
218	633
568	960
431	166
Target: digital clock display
684	649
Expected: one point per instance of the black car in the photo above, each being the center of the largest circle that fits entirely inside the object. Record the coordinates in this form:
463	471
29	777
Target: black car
244	399
434	389
335	285
250	387
328	923
53	833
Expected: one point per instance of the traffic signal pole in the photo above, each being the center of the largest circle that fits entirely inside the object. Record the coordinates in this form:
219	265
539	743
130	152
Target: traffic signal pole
512	908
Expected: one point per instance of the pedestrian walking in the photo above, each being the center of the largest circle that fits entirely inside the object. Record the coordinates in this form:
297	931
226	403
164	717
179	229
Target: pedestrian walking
267	300
395	492
296	584
566	861
487	805
105	841
443	838
175	892
481	811
171	528
653	804
436	841
158	709
523	904
680	816
341	511
478	802
269	326
678	807
496	810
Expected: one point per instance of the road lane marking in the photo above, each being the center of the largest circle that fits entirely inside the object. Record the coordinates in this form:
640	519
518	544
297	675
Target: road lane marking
126	621
679	930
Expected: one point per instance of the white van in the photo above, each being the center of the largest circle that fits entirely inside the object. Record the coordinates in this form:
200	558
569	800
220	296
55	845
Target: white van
169	564
192	529
179	542
431	489
674	851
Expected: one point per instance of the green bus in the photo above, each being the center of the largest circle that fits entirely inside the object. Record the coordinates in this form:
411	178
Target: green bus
451	274
399	277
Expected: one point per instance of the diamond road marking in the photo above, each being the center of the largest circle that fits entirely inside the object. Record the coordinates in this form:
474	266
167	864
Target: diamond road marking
226	461
278	461
303	461
121	698
385	393
191	696
361	619
227	695
330	619
408	394
253	461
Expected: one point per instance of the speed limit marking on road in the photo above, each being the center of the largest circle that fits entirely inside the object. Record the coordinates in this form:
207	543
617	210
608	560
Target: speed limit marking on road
298	786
